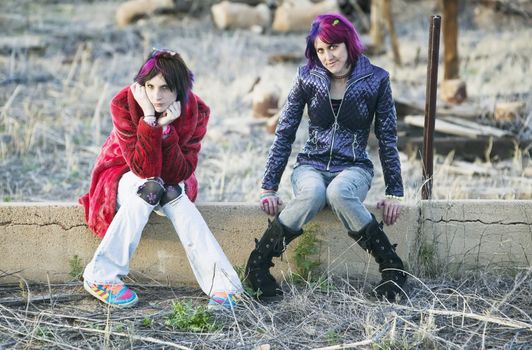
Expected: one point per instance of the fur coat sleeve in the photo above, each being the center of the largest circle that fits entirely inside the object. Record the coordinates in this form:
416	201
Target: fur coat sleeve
136	146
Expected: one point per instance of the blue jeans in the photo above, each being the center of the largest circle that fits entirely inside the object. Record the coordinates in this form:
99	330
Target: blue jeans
343	191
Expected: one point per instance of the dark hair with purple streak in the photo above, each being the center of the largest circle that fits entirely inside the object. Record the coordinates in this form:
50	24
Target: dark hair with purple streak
333	29
172	67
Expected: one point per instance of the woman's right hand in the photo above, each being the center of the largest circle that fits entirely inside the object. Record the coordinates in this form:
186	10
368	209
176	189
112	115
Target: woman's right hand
270	202
172	113
391	210
139	93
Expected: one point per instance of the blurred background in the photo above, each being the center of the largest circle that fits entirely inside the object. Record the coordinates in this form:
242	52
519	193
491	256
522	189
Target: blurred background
61	62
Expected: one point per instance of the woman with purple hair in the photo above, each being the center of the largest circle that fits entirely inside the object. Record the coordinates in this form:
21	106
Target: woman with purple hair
147	164
344	94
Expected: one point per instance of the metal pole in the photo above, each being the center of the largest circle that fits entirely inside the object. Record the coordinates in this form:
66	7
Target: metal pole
430	106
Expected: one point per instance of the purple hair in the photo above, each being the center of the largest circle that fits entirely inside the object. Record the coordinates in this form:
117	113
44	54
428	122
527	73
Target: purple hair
333	29
172	67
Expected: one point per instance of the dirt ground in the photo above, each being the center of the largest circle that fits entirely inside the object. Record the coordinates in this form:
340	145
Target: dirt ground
481	312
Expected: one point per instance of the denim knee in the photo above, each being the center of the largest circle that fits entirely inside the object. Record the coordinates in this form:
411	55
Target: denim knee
339	195
316	197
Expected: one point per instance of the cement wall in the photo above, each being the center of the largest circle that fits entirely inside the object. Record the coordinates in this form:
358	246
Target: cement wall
39	240
484	234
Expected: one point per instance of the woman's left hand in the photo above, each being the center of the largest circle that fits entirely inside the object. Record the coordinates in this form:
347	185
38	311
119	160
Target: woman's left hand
392	209
172	113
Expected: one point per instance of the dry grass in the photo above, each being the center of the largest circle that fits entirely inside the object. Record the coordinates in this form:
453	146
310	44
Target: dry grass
472	312
54	117
60	68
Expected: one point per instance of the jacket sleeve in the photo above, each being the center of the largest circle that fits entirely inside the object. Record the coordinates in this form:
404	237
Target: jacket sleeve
284	136
140	143
180	157
386	132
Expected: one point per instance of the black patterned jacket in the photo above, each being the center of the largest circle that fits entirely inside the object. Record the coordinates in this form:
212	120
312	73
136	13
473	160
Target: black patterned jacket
339	141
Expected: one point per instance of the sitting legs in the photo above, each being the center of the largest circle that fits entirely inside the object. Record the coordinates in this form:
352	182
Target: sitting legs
309	189
136	198
210	266
373	239
345	195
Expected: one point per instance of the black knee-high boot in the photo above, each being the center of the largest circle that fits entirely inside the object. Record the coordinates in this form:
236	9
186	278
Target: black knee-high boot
373	239
272	244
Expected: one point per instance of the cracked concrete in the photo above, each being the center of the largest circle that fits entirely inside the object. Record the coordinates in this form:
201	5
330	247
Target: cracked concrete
480	234
479	221
39	239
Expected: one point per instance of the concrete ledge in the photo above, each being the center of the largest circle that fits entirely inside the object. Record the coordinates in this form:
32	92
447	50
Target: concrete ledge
479	233
38	240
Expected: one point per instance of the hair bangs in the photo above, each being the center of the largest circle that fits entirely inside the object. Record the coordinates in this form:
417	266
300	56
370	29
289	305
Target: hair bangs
333	29
173	69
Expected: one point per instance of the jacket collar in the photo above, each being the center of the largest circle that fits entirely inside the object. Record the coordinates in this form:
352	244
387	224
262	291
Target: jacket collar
362	68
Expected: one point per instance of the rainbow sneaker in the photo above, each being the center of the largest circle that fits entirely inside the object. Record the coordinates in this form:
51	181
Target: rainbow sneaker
223	300
116	295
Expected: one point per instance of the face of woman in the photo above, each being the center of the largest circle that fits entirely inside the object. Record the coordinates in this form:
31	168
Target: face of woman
332	56
159	93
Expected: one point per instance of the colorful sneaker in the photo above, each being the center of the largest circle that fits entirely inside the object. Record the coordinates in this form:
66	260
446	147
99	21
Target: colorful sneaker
223	300
117	295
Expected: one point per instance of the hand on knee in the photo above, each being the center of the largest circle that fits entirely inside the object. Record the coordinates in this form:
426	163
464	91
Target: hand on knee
151	191
172	192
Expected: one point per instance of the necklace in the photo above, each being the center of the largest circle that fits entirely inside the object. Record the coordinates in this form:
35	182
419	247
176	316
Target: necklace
338	77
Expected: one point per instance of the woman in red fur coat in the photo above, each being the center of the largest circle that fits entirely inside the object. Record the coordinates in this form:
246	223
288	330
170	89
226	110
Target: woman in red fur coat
147	163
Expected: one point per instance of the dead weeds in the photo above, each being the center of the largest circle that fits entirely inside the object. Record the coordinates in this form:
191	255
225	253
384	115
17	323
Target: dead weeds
472	312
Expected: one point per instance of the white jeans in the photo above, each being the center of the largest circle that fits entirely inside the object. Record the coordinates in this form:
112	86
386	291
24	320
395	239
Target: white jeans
212	269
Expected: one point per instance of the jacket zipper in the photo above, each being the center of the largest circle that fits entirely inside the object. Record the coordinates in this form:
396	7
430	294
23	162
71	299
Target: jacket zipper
353	146
335	125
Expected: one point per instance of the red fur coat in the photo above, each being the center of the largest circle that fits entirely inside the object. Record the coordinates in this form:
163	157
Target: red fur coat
136	146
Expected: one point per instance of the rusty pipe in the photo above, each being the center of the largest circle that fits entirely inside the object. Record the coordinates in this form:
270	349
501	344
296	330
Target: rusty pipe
430	106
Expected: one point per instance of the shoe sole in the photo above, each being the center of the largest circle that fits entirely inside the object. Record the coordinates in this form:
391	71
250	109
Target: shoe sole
217	308
213	306
93	293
